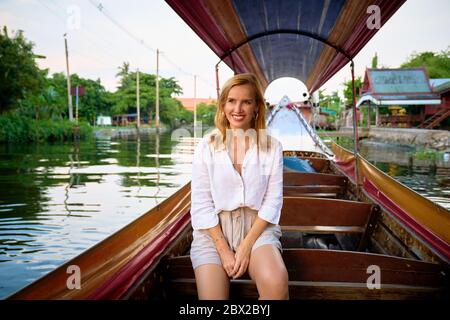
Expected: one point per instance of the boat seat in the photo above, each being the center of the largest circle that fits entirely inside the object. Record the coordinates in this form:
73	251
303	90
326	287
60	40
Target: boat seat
326	274
310	215
319	185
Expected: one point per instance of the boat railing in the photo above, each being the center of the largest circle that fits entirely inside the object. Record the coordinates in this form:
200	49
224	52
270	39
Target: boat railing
313	134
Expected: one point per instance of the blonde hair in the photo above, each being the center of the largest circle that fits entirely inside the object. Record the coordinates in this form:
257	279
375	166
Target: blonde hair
258	123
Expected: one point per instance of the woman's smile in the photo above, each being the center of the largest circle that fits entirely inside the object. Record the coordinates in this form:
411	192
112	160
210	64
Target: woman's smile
240	107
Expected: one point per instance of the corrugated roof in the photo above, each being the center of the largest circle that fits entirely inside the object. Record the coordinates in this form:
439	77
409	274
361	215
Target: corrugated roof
440	85
385	81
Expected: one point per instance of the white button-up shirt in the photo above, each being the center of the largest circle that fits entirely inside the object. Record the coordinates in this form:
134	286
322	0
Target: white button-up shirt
217	186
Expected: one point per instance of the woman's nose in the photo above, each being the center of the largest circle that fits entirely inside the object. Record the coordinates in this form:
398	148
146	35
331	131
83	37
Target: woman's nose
238	106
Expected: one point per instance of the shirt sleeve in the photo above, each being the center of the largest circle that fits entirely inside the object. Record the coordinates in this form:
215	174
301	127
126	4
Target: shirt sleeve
203	215
273	198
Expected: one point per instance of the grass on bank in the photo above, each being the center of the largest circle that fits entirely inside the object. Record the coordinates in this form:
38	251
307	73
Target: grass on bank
15	128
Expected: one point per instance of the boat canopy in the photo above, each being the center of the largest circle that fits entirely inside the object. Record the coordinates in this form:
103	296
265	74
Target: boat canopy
309	40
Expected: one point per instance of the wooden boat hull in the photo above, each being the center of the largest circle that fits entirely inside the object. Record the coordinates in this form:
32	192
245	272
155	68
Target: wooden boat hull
109	269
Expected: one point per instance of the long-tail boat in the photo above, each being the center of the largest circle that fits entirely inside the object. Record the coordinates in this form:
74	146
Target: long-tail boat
349	230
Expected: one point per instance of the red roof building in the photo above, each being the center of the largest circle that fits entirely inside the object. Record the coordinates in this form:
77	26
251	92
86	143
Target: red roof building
189	103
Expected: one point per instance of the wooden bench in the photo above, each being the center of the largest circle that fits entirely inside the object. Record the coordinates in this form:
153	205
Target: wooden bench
329	216
314	184
327	274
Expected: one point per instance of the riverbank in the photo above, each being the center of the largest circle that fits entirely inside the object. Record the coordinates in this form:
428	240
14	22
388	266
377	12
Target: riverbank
16	128
121	132
428	139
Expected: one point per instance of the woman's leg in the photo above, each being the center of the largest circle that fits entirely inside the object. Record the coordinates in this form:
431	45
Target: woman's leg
267	269
212	282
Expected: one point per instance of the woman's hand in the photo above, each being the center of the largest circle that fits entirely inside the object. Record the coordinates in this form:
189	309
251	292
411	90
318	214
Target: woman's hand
228	260
242	259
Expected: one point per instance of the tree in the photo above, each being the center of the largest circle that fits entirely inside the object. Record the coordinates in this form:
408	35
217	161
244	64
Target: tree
206	113
348	90
436	64
19	74
171	111
375	61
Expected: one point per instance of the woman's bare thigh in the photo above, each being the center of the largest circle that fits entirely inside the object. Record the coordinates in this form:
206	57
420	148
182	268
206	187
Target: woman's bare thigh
212	282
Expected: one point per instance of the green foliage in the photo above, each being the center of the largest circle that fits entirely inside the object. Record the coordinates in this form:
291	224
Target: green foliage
17	128
170	110
331	102
375	61
348	90
206	113
436	64
20	76
33	105
426	154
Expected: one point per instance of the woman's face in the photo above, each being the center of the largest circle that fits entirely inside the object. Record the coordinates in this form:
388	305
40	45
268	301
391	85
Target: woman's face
240	107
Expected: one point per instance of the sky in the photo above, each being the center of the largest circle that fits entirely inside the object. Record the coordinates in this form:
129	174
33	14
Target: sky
132	30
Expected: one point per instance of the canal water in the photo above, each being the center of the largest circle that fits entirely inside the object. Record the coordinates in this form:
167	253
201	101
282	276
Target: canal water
57	200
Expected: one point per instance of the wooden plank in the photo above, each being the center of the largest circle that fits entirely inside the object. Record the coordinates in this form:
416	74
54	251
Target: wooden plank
307	211
313	179
313	191
320	165
350	266
185	289
323	229
340	266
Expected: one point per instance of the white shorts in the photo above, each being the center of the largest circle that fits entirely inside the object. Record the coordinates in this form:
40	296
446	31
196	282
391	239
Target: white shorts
235	225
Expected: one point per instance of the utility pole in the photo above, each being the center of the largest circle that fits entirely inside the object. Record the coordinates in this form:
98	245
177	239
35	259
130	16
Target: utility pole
195	106
76	105
157	89
69	95
138	106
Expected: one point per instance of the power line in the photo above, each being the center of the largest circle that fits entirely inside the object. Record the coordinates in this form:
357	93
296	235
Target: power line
63	20
93	40
103	10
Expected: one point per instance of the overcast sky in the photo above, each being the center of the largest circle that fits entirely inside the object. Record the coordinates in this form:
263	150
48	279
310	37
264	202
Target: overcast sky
99	45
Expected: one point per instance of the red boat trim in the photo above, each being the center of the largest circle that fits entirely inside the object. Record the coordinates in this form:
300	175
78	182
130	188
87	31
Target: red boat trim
348	168
115	287
197	16
439	244
354	45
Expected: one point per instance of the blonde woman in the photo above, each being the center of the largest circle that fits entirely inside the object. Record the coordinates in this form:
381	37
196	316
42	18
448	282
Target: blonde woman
237	195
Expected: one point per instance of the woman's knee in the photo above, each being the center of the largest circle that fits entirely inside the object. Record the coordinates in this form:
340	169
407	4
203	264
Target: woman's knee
274	279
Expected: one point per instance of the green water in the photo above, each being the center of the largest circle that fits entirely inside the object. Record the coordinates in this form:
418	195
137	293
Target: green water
57	200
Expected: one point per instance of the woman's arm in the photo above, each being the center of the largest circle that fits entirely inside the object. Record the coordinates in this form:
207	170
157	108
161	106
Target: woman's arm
269	213
242	255
203	215
225	253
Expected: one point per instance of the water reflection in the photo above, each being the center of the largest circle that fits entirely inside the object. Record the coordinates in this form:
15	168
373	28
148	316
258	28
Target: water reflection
430	178
57	200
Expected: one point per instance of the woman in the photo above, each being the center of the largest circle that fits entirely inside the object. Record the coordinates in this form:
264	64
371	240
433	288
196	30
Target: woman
237	195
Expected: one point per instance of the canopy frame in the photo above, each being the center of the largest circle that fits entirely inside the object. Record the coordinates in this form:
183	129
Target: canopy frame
309	35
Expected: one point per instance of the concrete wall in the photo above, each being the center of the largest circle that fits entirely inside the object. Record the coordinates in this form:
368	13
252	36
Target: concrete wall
433	139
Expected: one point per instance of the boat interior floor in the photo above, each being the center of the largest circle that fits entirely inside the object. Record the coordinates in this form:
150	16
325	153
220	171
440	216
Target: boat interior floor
326	249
